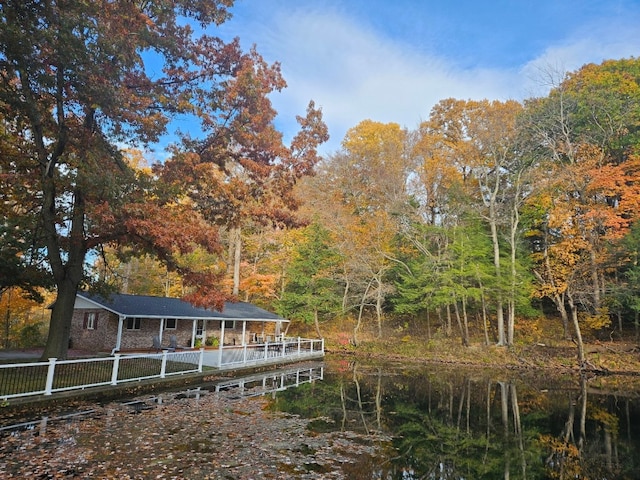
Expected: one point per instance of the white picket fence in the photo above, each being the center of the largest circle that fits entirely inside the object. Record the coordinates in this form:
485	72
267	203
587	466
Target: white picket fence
47	378
285	350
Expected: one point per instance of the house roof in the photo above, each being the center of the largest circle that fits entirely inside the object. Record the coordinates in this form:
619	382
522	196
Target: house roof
143	306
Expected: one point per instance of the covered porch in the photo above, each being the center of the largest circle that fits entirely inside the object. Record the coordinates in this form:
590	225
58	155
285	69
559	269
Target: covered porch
242	334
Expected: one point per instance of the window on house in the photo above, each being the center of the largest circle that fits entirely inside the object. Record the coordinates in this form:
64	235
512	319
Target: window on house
170	323
229	324
133	324
90	321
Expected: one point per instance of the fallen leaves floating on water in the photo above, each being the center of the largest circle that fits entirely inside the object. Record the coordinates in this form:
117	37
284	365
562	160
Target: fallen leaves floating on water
212	436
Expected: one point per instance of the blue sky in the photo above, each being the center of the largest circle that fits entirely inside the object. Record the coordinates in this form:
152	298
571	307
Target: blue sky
392	60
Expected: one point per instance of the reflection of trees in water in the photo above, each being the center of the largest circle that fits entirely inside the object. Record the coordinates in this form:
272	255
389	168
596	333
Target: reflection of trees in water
448	424
591	446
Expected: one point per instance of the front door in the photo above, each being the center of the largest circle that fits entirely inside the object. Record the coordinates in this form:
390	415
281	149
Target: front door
200	330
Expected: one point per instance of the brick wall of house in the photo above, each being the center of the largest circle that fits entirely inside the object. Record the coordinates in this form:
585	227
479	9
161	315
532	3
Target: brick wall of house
102	338
96	339
143	338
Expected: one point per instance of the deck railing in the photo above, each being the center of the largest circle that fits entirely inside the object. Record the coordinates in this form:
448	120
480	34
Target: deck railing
265	353
46	378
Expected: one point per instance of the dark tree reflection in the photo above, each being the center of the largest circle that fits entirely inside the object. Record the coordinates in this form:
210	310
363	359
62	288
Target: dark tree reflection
455	424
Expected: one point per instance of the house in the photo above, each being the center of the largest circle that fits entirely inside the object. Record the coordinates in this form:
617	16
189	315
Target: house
119	322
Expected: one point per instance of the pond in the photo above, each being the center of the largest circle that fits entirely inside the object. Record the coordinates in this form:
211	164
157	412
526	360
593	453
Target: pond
467	423
341	419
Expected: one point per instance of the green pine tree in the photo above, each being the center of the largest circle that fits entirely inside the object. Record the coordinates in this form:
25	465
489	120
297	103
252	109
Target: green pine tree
311	291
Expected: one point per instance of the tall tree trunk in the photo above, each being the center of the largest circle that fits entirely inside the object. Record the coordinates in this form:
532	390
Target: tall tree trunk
57	345
500	320
356	328
483	302
235	247
576	327
496	263
513	244
316	322
465	320
558	300
463	337
558	295
7	318
67	268
345	293
379	299
595	279
127	278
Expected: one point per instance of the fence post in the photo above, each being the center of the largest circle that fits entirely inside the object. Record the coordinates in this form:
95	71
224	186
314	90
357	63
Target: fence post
244	354
311	342
201	360
284	346
52	368
163	368
116	367
298	346
322	346
265	350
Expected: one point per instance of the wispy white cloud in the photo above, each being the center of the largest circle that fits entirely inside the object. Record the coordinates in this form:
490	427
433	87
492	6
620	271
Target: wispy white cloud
355	72
591	43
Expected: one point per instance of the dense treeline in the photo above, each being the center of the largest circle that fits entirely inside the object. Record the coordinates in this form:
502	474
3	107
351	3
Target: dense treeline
490	211
484	214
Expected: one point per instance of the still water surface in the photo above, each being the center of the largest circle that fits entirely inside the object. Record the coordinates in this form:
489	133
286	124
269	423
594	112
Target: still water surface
434	422
452	423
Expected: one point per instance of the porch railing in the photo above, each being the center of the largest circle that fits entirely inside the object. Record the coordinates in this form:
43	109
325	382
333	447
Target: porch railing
265	353
46	378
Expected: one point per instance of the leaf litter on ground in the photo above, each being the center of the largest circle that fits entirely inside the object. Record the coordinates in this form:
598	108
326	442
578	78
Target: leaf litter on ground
208	435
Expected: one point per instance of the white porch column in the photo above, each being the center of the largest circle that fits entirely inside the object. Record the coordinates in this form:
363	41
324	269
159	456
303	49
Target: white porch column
119	335
221	332
244	332
193	333
221	342
161	330
278	328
